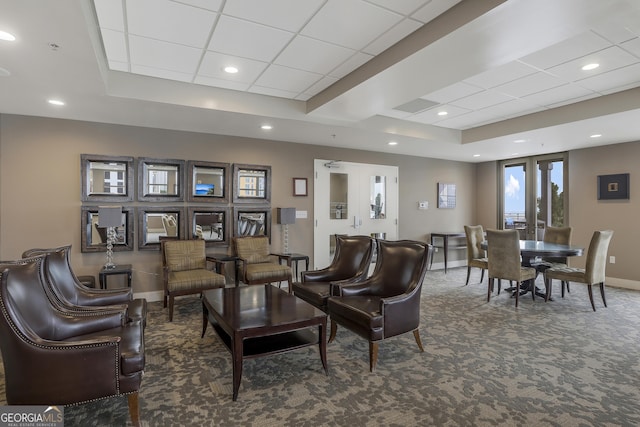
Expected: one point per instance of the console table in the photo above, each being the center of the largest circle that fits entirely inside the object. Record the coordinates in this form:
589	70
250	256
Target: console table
444	244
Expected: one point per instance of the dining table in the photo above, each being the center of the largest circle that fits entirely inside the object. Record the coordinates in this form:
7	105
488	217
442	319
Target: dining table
531	250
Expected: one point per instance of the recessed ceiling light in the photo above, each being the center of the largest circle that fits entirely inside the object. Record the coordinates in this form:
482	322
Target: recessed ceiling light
230	69
7	36
56	102
442	113
592	66
266	127
476	155
596	135
393	143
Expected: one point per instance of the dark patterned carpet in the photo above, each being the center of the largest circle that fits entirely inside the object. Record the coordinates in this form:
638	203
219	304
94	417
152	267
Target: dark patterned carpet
485	364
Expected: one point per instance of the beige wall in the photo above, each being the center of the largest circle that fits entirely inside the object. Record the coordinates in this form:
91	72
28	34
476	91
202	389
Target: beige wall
40	184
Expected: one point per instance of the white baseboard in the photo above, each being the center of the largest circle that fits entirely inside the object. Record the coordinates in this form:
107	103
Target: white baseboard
150	296
623	283
450	264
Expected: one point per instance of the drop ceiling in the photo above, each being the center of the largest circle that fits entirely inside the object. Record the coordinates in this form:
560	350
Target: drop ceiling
347	73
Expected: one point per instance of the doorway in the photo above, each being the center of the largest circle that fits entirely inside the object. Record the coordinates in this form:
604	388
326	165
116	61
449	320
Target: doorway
352	199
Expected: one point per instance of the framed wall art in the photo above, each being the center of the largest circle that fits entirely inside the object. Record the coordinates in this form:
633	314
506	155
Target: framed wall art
613	187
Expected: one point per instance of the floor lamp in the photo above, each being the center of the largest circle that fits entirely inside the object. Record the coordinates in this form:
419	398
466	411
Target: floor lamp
286	216
110	217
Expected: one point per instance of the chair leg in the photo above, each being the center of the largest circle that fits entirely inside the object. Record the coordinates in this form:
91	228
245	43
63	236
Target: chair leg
604	300
547	284
468	274
517	292
563	284
568	289
134	408
499	285
590	289
165	301
489	288
416	335
373	355
481	275
334	329
171	298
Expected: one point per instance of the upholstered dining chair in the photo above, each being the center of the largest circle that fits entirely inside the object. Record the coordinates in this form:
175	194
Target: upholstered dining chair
258	264
184	266
476	256
350	264
503	247
53	357
594	271
388	302
562	236
70	293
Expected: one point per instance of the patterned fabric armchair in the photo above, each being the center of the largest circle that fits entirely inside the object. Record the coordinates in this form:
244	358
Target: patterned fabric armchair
54	357
258	265
184	266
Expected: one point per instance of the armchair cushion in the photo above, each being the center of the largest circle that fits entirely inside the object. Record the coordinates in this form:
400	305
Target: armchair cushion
183	255
266	271
253	250
184	280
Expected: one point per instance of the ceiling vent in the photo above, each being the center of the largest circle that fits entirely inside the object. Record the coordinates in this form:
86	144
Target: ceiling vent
416	105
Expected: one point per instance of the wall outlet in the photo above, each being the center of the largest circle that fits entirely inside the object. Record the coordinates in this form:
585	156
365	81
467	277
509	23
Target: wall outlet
612	260
423	205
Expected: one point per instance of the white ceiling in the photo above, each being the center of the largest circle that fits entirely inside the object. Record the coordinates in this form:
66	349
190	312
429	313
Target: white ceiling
347	73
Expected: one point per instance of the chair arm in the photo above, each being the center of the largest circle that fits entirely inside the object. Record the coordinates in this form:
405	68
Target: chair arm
361	288
401	313
323	275
335	286
90	296
85	322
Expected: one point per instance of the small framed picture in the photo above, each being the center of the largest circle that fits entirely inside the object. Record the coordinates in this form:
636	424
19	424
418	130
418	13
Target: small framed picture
299	186
446	196
613	187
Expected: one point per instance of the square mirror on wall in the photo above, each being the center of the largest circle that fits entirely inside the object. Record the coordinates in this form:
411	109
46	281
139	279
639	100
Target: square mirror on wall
251	183
160	180
106	178
210	224
252	221
208	182
94	237
157	222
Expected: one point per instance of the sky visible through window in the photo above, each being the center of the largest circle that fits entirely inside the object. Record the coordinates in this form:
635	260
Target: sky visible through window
514	187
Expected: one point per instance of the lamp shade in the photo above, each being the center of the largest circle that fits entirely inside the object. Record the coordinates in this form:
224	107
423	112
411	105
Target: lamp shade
286	216
109	216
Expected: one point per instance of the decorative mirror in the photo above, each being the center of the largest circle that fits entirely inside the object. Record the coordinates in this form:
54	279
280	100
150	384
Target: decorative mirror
94	238
156	222
251	184
160	180
209	224
208	182
106	178
251	221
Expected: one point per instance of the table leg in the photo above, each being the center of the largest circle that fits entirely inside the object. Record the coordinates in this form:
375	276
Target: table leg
431	262
445	240
237	355
322	332
205	319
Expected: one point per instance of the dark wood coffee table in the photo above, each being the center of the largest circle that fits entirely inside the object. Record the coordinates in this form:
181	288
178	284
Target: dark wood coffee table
260	320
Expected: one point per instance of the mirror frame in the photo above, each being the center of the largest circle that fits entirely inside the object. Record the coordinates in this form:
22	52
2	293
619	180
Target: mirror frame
143	180
86	159
192	197
143	244
238	210
192	211
236	178
86	231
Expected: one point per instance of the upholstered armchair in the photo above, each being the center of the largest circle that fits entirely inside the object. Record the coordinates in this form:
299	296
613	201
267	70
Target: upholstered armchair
388	302
476	256
258	265
184	268
503	247
58	358
70	293
594	271
350	264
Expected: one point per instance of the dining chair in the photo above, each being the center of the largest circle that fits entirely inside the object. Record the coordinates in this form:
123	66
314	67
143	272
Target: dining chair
594	271
559	235
503	247
476	256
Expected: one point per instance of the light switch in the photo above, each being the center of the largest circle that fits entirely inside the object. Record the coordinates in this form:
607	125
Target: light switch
301	214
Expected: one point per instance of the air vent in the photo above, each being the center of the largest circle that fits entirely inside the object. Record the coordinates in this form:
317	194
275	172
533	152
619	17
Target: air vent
416	105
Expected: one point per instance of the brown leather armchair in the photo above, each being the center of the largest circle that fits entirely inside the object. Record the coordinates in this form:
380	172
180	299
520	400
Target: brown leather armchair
350	264
387	303
53	357
70	293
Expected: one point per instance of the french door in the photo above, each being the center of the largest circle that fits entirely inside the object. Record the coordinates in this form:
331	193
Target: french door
533	194
352	199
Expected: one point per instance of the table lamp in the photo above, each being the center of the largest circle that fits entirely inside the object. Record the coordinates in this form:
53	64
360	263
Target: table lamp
285	217
110	217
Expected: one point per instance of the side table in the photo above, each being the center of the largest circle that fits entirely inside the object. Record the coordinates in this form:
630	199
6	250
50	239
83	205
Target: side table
118	269
294	258
445	244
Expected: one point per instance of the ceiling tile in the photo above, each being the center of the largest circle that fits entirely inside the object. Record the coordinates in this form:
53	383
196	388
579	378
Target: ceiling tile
396	114
453	92
226	84
501	75
272	92
391	37
350	64
609	59
530	84
115	45
110	14
557	94
365	23
467	121
632	46
433	9
404	7
321	85
169	21
213	65
313	55
163	74
431	116
213	5
510	108
566	50
573	100
242	38
288	15
481	100
167	56
287	79
616	79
